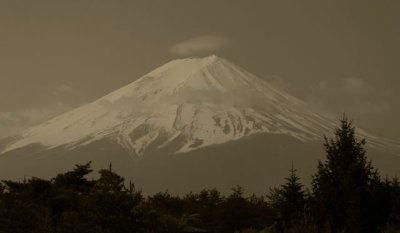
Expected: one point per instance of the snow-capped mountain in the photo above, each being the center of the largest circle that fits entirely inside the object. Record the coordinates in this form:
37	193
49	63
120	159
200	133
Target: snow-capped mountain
195	123
193	103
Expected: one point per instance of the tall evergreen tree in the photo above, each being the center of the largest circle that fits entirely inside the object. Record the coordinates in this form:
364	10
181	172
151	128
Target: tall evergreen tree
287	202
342	185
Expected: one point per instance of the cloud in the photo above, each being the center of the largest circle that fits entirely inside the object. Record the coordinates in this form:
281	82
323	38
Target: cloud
17	119
278	82
201	44
36	115
350	85
355	85
62	89
15	122
351	95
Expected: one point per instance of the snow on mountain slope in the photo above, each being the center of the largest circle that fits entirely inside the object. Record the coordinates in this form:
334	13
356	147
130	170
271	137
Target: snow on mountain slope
195	101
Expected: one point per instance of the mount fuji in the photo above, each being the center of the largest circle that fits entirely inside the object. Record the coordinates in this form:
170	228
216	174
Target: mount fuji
184	109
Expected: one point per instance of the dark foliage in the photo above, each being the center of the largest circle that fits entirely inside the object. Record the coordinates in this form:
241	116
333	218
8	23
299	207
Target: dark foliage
347	196
347	190
287	203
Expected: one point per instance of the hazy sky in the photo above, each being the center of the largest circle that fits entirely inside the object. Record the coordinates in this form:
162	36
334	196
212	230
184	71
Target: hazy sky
340	56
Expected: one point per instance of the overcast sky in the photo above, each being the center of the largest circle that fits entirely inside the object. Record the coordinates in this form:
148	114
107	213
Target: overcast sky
340	56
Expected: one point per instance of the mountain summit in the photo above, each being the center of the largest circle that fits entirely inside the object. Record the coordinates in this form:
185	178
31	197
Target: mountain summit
183	105
194	123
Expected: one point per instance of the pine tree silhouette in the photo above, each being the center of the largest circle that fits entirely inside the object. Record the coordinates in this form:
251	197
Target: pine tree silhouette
287	201
342	185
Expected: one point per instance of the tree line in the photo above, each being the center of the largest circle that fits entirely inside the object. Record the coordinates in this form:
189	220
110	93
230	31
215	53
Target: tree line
347	195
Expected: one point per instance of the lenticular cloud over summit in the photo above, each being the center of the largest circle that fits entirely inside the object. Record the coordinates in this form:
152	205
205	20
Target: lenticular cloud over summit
184	105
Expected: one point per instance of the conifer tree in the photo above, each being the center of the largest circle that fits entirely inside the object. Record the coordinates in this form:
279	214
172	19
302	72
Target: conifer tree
342	184
287	202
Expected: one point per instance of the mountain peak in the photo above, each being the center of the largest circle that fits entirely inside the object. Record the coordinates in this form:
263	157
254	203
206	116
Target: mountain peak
192	63
211	58
206	74
189	103
208	58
